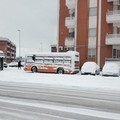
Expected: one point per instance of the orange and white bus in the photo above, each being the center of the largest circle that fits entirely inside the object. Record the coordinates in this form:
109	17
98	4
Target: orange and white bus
63	62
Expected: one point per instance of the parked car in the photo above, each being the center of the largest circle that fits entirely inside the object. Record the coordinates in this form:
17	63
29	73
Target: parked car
110	69
5	64
15	64
90	68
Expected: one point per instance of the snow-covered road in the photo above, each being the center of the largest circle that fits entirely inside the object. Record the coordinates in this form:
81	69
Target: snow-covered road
76	80
38	96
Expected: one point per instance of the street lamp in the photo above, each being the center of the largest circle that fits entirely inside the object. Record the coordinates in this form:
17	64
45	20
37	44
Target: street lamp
41	46
19	31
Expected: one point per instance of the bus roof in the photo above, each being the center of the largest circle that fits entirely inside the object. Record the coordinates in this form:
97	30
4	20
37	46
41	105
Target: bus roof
54	53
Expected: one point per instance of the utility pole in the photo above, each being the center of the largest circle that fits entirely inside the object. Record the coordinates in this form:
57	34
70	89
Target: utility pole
19	31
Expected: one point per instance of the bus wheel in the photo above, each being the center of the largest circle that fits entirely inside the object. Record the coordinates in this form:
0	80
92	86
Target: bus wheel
60	71
34	69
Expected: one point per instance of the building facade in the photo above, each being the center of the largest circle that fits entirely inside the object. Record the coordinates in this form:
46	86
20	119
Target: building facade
9	49
91	27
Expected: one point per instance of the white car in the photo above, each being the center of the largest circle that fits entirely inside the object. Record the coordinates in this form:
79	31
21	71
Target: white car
90	68
110	69
15	64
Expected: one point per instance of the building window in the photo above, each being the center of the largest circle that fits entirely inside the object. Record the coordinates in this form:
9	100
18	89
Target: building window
69	48
61	49
71	34
92	32
72	12
118	53
91	53
114	53
93	11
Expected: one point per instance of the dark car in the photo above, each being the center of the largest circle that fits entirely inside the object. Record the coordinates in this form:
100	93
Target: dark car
5	65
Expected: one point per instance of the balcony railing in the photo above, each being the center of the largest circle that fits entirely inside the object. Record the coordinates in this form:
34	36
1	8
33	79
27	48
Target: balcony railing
115	2
70	22
113	16
112	59
110	0
69	42
71	4
113	39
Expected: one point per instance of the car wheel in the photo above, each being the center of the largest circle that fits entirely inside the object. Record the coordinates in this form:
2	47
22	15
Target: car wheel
82	73
96	73
60	71
34	69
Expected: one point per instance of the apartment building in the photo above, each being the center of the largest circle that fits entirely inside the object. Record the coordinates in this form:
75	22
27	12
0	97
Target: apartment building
91	27
9	49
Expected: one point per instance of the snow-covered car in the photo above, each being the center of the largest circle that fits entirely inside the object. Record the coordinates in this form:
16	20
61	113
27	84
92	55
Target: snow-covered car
110	69
90	68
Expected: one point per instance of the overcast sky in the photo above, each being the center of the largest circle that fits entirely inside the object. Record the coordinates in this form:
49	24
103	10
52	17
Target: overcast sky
37	20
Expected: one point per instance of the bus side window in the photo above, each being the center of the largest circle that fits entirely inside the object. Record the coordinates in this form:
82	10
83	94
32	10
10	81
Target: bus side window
39	61
29	59
48	60
58	60
67	60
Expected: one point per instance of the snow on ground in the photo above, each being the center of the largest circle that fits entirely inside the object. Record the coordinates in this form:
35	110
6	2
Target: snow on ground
76	80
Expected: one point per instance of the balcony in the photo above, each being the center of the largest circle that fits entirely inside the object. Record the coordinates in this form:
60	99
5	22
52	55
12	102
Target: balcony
112	59
113	39
71	4
115	2
69	42
113	16
70	22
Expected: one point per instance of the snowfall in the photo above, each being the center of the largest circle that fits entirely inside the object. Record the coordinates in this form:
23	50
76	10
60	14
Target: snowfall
76	80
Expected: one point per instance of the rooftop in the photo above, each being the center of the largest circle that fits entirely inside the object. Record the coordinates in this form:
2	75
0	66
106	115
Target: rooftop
6	39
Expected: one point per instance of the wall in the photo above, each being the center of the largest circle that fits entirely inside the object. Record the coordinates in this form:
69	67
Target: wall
82	30
63	31
105	50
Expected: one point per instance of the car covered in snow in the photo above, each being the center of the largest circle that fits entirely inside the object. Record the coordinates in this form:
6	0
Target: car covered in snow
111	69
90	68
